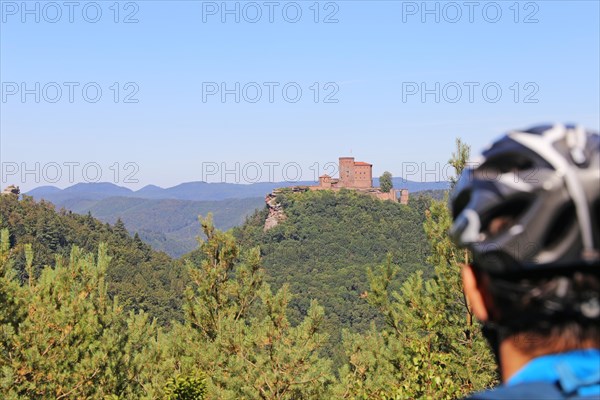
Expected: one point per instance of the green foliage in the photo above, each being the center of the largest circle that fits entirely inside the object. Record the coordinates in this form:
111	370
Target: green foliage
169	225
459	160
185	388
323	248
399	330
219	293
438	194
237	330
61	336
143	279
430	346
385	182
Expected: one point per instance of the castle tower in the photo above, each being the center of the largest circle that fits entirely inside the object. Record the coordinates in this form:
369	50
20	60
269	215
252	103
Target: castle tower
346	172
325	181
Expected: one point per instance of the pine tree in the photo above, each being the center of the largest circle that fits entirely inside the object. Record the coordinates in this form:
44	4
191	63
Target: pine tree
238	333
62	337
185	388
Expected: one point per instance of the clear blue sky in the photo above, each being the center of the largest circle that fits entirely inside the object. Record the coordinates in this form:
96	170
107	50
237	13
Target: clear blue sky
372	55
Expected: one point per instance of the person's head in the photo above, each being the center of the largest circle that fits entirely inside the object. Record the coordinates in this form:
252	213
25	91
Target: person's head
529	210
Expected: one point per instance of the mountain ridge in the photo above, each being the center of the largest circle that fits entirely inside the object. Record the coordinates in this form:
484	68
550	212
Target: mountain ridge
167	219
194	191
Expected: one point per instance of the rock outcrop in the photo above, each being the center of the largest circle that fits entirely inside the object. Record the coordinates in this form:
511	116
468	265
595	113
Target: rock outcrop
11	190
276	214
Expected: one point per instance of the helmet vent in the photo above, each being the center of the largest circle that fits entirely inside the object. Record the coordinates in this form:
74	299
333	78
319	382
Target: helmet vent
539	130
595	217
562	223
503	217
509	162
460	203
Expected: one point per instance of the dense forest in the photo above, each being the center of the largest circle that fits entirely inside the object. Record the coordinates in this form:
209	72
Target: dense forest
142	278
348	298
171	225
326	245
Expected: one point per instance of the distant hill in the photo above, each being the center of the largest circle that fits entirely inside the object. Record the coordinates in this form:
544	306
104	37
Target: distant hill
193	191
80	191
167	219
413	187
170	225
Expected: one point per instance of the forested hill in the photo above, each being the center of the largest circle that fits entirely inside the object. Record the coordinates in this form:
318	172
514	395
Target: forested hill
141	277
326	244
238	338
322	250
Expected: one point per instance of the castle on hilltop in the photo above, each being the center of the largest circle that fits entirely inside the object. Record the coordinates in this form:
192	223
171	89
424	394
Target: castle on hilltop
358	175
353	175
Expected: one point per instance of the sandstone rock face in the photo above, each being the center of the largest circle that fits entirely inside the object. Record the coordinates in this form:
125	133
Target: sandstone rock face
276	214
12	189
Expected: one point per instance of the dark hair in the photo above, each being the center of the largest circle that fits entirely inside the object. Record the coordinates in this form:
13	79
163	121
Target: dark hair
558	311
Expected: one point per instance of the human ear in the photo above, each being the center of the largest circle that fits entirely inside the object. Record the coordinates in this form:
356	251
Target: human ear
473	293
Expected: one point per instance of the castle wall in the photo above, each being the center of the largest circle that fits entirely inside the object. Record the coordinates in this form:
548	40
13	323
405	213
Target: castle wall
392	195
404	196
363	176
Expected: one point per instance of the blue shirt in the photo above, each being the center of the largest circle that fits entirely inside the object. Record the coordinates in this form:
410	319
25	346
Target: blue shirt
577	371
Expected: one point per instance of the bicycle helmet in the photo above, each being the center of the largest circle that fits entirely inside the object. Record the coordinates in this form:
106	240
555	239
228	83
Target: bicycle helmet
532	201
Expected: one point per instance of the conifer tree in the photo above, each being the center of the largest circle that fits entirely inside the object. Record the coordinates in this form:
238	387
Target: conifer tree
62	337
237	330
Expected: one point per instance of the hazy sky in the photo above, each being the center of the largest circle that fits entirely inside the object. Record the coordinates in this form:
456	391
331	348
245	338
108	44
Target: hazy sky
188	92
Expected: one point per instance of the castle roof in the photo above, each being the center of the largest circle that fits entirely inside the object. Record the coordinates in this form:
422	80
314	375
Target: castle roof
360	163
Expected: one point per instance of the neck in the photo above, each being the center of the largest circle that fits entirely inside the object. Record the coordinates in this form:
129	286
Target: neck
512	359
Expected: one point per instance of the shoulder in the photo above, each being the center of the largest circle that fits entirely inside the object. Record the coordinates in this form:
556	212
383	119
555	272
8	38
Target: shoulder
525	391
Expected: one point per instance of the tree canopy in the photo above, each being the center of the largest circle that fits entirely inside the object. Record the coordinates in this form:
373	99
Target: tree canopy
385	182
